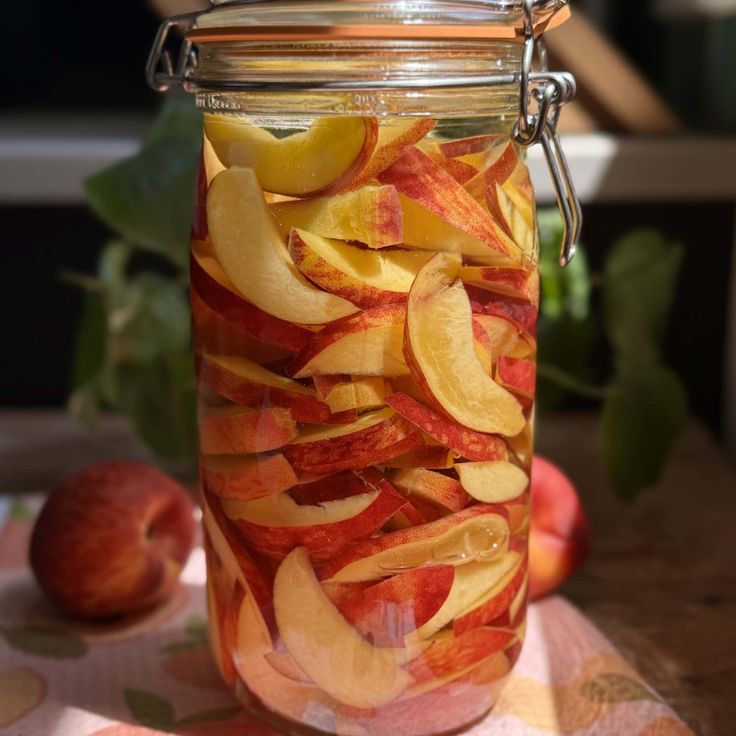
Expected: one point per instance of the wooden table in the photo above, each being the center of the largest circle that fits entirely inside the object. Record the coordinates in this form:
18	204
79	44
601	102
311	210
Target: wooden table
661	583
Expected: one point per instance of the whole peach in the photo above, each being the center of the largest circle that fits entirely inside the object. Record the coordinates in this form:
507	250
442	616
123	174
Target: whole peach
112	540
559	537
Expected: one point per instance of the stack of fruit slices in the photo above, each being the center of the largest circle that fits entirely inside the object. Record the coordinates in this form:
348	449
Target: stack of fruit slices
364	298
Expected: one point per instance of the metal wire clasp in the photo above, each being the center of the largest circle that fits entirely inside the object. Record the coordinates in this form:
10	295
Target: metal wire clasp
550	91
161	73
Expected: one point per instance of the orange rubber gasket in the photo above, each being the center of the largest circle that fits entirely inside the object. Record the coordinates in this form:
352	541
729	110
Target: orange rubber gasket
370	32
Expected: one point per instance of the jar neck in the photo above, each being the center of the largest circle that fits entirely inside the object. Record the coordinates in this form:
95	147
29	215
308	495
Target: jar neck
361	78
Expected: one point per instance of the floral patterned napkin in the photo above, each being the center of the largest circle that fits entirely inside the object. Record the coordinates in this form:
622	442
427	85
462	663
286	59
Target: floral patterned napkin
154	675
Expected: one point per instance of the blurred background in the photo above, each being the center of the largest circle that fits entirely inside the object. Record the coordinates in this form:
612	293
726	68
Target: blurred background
650	141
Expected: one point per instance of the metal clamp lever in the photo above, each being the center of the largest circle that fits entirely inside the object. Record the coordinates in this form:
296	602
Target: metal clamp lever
550	91
161	73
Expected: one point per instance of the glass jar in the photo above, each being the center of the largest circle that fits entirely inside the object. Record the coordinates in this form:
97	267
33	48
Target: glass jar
364	293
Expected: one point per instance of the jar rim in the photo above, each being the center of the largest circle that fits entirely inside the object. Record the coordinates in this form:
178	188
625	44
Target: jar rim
307	21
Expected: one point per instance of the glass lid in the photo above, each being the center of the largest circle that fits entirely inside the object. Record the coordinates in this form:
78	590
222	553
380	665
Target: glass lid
314	20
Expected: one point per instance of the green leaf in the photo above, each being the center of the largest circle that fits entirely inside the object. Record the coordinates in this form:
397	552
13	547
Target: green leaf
210	716
615	688
642	418
89	351
150	710
19	511
197	628
639	286
41	643
160	399
148	198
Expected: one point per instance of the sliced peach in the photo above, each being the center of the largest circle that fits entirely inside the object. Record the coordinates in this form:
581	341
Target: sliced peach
514	282
375	437
370	215
237	561
493	482
459	170
359	393
475	584
385	613
406	517
440	215
505	203
500	166
368	278
296	700
453	656
285	665
434	488
324	159
394	136
215	288
517	376
247	383
502	337
477	533
439	347
467	146
520	312
254	256
276	525
246	477
214	334
334	487
495	598
465	442
368	343
433	457
236	430
329	650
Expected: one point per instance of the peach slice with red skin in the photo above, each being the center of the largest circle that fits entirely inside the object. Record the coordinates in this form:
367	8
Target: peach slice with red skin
465	442
370	215
501	337
434	488
276	525
451	656
509	206
440	215
497	597
515	282
474	584
247	477
252	253
385	613
214	334
249	384
375	437
329	650
324	159
500	167
439	347
521	313
219	293
408	516
493	482
368	343
368	278
479	532
345	394
431	457
237	430
332	488
467	146
393	139
517	376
